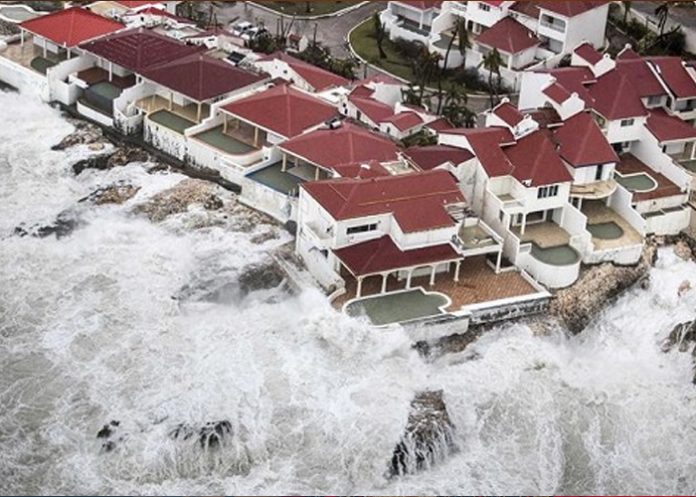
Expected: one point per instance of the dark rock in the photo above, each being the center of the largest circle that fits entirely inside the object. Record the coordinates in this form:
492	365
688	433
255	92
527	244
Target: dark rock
105	432
682	335
115	423
99	162
63	226
261	277
85	134
108	447
125	156
210	436
178	199
115	194
598	287
429	436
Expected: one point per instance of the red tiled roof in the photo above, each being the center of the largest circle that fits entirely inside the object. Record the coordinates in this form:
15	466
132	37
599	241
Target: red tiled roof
509	114
362	92
486	143
430	157
282	110
423	4
582	143
382	254
570	8
369	169
318	78
616	98
134	4
588	53
575	80
72	26
404	120
200	77
641	77
557	93
669	128
346	145
627	54
534	158
417	201
508	35
138	49
673	73
441	124
373	109
154	11
546	117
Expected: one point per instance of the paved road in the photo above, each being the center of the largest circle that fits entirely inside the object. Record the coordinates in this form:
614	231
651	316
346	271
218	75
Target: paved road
331	31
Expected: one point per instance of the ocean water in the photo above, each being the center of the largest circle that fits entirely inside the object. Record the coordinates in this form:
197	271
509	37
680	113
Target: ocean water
93	328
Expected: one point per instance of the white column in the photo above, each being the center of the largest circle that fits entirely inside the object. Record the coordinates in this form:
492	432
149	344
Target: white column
409	279
316	174
385	280
500	262
256	137
693	150
171	100
69	54
457	271
285	162
524	224
21	37
358	292
200	109
421	20
45	54
111	71
433	273
224	123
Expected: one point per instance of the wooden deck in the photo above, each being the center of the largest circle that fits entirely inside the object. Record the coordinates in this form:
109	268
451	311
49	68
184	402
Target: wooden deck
478	284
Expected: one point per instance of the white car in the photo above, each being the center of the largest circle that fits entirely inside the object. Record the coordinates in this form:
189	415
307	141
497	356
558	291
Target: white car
241	27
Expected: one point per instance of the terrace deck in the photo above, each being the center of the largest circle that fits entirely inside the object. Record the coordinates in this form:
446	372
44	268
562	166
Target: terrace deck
630	164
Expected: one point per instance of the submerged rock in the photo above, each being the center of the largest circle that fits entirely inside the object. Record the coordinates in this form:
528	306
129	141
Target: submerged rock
177	200
85	134
209	436
118	158
266	276
428	438
683	336
66	222
114	194
107	435
597	287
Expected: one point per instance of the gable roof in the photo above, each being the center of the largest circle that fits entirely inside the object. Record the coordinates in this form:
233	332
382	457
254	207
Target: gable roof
582	143
508	35
669	128
588	53
614	97
201	77
508	113
138	49
534	159
404	120
347	145
422	4
486	144
318	78
282	110
382	254
374	109
418	202
570	8
134	4
639	74
674	74
431	157
72	26
158	12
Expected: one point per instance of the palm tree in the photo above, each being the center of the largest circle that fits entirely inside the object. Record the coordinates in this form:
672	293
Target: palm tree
627	9
425	66
411	96
380	34
662	13
462	35
492	62
455	109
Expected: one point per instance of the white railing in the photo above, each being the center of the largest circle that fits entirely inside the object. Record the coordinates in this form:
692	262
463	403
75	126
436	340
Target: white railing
560	27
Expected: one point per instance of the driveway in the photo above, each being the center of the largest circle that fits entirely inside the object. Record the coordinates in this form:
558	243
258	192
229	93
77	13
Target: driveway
331	31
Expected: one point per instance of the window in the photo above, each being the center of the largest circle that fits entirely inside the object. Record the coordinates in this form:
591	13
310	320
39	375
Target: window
547	191
484	6
627	122
355	230
501	216
600	172
655	100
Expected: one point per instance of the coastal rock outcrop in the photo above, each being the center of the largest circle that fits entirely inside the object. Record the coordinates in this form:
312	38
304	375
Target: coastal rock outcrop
209	436
599	286
112	195
177	200
109	437
85	133
683	336
118	158
429	435
66	222
265	276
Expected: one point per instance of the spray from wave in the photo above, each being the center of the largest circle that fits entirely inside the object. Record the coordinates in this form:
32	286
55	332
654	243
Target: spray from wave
112	330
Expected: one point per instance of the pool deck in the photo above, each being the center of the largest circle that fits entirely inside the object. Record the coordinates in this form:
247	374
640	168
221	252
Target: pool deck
630	164
545	235
598	213
216	138
478	284
273	177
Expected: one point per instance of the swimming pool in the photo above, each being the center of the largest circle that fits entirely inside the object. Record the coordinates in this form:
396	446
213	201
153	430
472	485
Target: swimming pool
17	13
637	183
399	307
561	255
606	231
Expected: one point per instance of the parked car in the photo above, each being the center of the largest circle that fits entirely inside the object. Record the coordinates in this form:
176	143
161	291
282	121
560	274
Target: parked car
241	27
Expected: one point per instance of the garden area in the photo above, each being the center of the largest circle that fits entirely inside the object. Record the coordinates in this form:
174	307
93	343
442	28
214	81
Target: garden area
308	8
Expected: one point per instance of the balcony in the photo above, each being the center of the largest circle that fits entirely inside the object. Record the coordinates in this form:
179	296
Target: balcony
477	238
596	190
559	27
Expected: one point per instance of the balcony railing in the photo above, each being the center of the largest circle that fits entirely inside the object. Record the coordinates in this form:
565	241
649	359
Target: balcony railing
553	25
